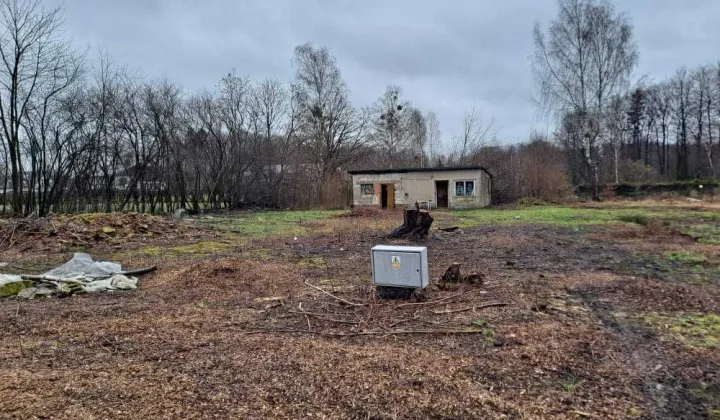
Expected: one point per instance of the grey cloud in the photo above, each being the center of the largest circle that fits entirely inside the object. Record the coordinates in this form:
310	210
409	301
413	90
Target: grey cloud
446	55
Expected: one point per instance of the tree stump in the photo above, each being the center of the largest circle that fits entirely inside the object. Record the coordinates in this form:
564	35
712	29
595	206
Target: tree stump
454	275
416	224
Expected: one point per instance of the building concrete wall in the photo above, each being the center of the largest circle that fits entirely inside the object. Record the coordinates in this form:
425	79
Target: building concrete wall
420	186
360	199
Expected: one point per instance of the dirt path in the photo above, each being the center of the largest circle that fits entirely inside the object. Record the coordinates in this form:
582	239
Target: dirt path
666	395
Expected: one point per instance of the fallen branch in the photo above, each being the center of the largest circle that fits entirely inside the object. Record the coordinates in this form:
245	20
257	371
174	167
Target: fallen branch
48	279
139	271
432	302
327	334
347	302
324	318
449	229
395	324
487	305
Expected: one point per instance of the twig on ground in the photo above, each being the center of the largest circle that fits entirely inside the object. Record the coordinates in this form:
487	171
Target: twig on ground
473	308
307	318
7	236
324	318
12	234
319	316
389	332
394	324
347	302
22	350
139	271
432	302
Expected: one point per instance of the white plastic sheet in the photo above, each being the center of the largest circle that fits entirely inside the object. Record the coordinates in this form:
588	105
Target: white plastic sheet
82	265
81	271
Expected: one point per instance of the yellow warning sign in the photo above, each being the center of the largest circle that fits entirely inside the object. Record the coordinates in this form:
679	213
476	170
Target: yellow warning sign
396	263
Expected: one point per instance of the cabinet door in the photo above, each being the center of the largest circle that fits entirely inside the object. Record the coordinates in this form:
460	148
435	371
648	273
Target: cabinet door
401	269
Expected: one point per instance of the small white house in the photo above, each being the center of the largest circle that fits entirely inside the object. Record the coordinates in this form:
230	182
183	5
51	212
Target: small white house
451	187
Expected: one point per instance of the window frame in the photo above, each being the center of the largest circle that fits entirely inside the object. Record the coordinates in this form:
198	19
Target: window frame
464	186
372	186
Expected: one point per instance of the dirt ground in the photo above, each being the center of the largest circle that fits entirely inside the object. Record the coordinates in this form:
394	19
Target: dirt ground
611	312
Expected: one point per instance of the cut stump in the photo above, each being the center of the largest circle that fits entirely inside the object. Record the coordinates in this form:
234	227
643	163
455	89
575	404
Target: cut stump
416	224
454	275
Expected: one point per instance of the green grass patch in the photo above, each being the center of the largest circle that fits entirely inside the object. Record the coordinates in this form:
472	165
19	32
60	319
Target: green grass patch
702	224
694	330
268	223
551	215
12	289
705	233
204	248
686	257
314	262
571	385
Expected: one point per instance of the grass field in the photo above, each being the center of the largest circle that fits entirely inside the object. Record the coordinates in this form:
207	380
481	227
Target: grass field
608	310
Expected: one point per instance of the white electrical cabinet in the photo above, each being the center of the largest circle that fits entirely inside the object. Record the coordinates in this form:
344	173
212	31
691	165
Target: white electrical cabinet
400	266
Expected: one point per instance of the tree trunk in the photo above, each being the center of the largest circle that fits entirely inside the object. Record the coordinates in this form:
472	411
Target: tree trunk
416	225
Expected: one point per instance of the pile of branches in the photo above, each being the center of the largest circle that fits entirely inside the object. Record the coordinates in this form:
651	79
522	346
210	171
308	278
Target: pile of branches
85	230
330	315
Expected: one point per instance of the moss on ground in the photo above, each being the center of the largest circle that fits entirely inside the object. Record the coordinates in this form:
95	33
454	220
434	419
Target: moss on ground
699	266
314	262
12	289
268	223
694	330
203	248
686	256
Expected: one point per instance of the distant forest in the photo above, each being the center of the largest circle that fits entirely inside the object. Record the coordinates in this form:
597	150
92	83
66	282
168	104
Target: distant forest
81	137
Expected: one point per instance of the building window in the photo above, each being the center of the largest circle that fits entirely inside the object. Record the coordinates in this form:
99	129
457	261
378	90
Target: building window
464	188
367	189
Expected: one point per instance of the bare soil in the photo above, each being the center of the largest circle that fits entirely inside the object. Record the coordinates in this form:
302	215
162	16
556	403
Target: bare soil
244	332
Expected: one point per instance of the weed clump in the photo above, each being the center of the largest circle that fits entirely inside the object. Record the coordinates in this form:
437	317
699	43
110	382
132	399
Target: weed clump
694	330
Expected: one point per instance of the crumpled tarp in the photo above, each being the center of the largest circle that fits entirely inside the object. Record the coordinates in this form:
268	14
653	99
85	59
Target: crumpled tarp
80	274
9	278
82	266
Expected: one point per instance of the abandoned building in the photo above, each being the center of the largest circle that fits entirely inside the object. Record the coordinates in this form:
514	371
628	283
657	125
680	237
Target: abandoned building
451	187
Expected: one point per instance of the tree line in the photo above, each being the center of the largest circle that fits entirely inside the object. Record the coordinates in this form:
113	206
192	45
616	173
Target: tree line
79	137
613	129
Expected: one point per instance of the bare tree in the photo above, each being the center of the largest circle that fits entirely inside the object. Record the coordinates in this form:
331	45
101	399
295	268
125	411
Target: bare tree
273	122
37	64
701	102
585	58
616	121
432	145
659	107
418	135
331	128
681	114
476	132
391	124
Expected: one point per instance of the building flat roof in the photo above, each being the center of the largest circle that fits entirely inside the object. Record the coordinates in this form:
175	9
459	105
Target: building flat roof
407	170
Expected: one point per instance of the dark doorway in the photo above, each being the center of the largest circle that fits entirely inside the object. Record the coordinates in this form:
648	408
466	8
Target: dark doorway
441	193
387	196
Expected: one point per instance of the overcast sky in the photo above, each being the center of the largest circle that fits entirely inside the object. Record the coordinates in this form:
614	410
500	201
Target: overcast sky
447	56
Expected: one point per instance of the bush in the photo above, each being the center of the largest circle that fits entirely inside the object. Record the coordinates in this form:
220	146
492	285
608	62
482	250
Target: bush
628	190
